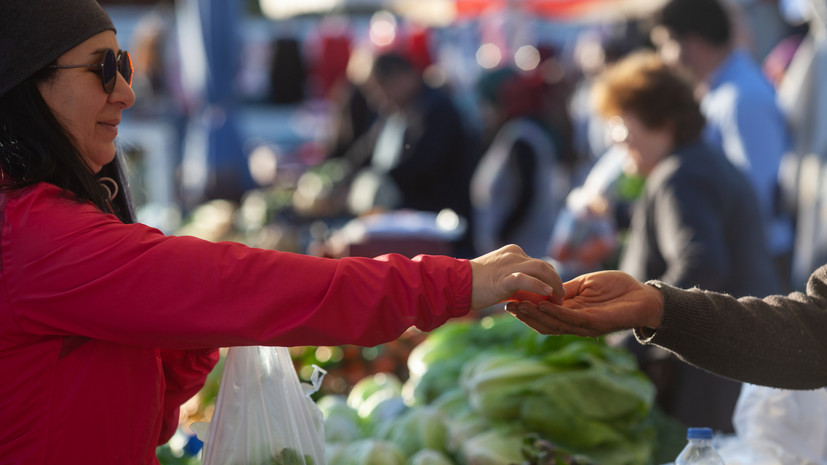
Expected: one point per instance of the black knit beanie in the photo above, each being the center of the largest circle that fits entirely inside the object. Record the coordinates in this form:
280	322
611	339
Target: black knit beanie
33	33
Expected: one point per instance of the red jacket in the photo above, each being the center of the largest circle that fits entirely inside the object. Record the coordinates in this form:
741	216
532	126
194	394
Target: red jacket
106	328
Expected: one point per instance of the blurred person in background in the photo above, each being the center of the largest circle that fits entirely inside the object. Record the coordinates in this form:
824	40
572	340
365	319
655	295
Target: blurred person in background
522	178
352	114
151	79
759	25
591	224
108	325
695	224
596	48
417	155
803	98
739	103
778	59
288	71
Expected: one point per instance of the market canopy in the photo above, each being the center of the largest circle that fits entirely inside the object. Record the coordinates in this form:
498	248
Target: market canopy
443	12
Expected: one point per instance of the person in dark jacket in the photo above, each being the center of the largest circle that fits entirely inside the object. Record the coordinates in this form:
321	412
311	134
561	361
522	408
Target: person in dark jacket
761	338
418	153
697	222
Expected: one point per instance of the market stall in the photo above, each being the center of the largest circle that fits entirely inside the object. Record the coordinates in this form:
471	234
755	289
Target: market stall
482	391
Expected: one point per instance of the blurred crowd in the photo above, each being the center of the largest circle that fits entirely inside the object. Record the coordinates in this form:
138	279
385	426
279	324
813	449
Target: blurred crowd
685	144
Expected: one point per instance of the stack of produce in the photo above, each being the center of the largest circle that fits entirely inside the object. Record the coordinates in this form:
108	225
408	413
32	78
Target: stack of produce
488	392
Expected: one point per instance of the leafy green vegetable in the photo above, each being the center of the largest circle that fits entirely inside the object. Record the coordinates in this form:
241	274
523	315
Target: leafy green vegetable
384	414
370	452
372	390
289	456
600	411
599	393
579	393
451	402
540	451
496	382
334	450
464	426
478	389
430	457
341	422
435	364
417	429
499	446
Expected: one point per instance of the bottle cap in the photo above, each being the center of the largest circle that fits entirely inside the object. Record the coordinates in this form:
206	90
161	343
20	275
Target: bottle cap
699	433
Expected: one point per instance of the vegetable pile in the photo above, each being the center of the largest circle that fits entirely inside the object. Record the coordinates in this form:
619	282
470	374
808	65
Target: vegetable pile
494	392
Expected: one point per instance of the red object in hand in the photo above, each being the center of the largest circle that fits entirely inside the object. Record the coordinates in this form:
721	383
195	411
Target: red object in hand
521	296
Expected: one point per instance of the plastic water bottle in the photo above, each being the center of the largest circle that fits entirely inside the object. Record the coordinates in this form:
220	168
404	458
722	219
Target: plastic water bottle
699	449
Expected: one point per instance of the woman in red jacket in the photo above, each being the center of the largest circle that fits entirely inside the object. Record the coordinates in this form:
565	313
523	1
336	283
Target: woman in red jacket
107	325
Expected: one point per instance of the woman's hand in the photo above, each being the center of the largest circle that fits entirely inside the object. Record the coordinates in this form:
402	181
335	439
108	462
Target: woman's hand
595	304
501	273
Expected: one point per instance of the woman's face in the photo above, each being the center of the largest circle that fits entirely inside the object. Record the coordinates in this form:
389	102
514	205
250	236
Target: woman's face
646	146
78	101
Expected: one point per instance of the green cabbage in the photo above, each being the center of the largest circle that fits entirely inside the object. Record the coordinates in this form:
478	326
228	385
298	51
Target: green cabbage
451	402
430	457
371	390
341	422
478	389
419	428
435	364
601	409
465	425
501	446
585	397
369	452
496	383
289	456
384	413
333	451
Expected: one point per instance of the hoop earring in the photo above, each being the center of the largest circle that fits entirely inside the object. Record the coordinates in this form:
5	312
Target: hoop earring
106	182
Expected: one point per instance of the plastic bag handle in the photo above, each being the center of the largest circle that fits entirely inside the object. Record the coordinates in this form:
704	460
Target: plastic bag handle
315	381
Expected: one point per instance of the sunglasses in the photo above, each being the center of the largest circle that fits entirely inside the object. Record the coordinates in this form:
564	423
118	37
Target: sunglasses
108	69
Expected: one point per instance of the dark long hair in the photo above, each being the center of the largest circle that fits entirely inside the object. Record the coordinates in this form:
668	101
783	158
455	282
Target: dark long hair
35	147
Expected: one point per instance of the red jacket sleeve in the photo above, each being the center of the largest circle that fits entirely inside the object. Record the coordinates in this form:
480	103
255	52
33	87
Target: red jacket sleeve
185	372
69	269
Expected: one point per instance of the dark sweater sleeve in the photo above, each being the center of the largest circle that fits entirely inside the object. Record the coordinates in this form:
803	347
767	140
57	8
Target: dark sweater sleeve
776	341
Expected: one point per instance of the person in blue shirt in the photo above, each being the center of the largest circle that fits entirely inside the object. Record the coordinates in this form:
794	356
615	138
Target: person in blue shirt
738	101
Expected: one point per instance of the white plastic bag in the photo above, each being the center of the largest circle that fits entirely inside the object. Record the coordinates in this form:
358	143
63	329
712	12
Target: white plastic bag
264	415
778	427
